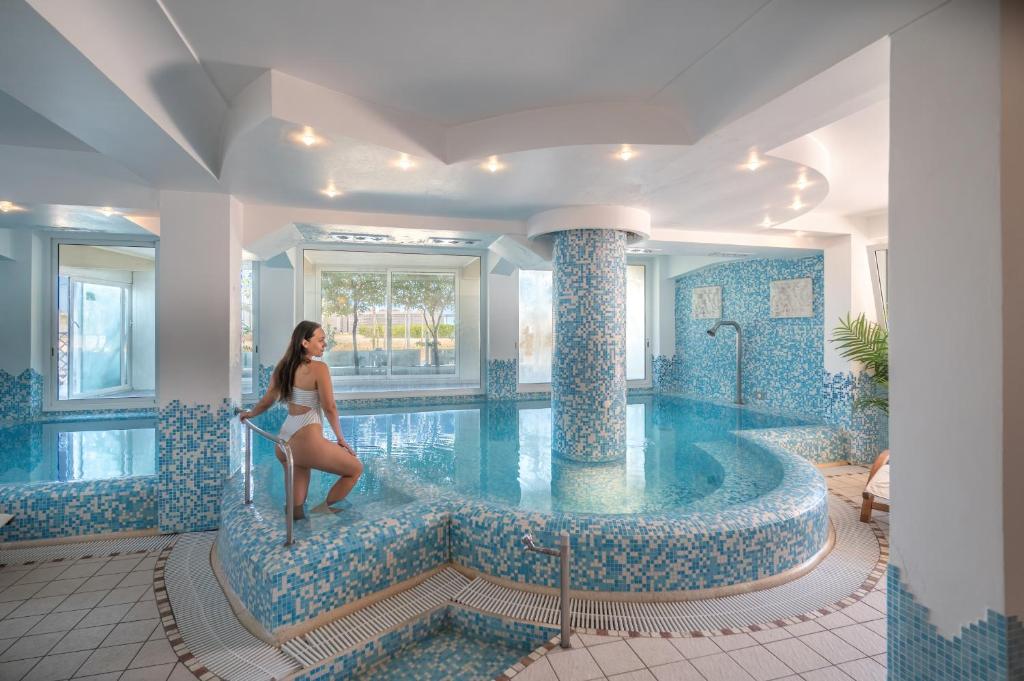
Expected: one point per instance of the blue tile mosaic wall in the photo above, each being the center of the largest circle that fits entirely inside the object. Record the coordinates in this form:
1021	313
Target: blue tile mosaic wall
588	367
667	373
867	429
21	396
991	649
783	358
502	379
198	446
817	444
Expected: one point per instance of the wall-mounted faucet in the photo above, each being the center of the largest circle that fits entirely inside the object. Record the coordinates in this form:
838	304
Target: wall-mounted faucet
739	354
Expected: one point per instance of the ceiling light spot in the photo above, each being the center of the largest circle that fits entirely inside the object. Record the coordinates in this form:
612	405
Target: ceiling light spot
307	137
797	203
331	191
753	161
9	207
449	241
766	223
626	152
802	182
493	165
107	211
405	162
799	233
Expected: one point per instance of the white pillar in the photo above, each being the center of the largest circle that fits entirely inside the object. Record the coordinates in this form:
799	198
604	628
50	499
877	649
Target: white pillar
198	354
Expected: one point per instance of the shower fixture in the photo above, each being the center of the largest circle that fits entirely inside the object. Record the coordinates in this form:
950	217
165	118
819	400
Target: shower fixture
739	354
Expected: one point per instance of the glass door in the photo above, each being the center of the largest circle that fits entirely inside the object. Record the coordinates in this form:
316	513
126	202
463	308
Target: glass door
98	329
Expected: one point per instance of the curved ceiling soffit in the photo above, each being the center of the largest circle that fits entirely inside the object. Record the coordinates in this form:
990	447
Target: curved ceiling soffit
299	103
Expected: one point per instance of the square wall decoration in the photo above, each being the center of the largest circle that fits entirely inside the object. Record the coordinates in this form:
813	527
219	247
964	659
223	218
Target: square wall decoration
707	302
792	298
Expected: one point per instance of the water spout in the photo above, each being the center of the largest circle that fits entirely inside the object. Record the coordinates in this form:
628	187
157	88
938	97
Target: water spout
739	354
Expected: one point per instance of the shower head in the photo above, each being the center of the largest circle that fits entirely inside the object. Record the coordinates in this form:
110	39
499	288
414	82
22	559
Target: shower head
714	329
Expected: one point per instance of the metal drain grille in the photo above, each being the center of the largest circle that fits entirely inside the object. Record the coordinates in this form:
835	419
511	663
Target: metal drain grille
840	574
103	547
207	624
332	639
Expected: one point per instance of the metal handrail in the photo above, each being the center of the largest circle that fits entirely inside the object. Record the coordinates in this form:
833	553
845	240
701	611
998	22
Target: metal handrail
289	472
563	593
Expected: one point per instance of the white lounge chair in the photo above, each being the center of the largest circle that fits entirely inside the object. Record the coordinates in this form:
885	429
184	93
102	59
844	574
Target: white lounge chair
876	494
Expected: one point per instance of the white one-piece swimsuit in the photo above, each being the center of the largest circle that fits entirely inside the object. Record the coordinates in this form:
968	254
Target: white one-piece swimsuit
294	422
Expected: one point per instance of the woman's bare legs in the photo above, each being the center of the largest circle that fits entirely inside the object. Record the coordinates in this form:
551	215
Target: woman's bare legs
311	450
300	483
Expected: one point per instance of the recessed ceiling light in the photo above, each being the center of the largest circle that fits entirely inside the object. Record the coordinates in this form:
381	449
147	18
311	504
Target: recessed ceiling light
61	223
331	191
8	207
753	161
107	211
348	237
626	152
405	162
448	241
307	137
493	165
801	182
637	250
729	254
766	223
797	203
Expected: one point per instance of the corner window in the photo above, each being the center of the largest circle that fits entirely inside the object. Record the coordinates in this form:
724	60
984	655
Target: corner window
248	318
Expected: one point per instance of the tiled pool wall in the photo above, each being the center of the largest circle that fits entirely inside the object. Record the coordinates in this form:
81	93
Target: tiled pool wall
991	649
52	510
518	634
327	569
783	358
198	447
21	396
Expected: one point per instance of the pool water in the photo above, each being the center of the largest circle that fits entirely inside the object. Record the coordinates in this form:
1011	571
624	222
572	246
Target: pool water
681	456
64	451
450	652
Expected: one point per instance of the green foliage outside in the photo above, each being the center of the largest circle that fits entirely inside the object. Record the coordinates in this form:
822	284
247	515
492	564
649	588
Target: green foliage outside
862	341
398	330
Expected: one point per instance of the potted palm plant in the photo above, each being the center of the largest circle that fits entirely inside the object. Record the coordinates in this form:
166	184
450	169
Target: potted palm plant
866	342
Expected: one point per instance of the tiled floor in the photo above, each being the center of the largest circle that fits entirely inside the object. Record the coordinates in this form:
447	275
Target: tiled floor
843	646
91	618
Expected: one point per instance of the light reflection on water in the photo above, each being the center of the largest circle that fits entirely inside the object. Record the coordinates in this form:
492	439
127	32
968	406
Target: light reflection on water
680	455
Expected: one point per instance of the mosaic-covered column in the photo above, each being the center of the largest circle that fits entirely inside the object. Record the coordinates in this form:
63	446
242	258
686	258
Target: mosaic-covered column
588	372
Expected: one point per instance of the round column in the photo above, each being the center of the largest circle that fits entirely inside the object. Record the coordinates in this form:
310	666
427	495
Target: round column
588	373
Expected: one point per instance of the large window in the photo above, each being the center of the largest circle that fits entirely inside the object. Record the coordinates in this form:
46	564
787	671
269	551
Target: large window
396	321
104	345
536	325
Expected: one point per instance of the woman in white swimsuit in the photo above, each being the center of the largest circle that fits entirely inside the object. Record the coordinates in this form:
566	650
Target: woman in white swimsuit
304	384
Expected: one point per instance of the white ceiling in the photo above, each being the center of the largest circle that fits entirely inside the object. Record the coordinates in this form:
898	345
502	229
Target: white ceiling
184	94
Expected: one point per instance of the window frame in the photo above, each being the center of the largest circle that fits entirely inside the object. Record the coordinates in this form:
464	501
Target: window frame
49	341
126	326
255	393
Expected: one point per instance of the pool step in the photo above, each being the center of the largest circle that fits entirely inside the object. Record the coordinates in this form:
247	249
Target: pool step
853	562
334	638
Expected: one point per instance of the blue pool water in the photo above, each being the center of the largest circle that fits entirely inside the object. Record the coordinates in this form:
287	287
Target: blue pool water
681	456
77	450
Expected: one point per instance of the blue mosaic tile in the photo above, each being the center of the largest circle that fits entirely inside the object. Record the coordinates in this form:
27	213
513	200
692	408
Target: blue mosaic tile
53	510
817	444
991	649
783	358
867	429
21	396
588	367
197	449
667	373
502	379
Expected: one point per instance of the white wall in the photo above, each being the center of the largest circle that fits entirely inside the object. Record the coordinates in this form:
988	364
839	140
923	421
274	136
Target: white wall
277	311
199	298
16	301
144	330
469	338
664	304
502	315
946	329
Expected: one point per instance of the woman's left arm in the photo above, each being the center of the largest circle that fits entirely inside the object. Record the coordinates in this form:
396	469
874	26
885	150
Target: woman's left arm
325	388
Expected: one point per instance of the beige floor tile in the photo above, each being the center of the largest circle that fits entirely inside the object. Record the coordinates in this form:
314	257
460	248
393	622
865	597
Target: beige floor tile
100	583
654	651
594	640
877	600
864	670
615	658
801	628
14	671
57	667
127	594
42	574
760	663
638	675
181	673
119	565
720	667
143	610
83	639
831	647
862	638
130	632
769	635
30	646
109	659
735	641
156	673
862	612
14	627
79	570
37	606
80	601
695	647
878	626
574	665
796	655
538	671
826	674
7	607
105	615
19	592
157	651
835	619
61	587
137	579
677	671
58	621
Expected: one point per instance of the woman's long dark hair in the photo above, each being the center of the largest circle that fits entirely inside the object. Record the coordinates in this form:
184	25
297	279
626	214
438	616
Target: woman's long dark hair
294	357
